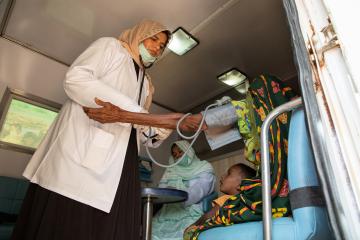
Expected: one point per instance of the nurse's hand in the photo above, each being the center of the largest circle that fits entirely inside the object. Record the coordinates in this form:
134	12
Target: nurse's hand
194	120
109	113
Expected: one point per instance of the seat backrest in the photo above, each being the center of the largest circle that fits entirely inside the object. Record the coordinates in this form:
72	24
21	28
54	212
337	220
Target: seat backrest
12	193
301	168
308	206
206	202
145	168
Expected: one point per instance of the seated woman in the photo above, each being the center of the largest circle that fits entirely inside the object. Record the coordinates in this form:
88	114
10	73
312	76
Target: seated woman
264	94
195	177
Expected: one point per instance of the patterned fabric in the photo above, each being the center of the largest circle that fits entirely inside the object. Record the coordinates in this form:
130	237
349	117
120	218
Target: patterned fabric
247	128
220	200
267	93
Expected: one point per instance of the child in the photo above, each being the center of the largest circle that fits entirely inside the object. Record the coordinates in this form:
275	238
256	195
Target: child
229	185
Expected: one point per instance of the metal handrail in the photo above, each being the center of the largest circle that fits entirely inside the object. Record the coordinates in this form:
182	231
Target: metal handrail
265	163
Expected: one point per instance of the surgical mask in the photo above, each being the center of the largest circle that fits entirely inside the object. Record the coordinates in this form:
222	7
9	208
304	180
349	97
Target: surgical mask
146	57
185	161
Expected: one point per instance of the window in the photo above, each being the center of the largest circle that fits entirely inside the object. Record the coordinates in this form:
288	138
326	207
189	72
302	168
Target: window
25	119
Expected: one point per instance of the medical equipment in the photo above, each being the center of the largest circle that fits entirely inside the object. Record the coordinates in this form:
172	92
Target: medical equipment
224	100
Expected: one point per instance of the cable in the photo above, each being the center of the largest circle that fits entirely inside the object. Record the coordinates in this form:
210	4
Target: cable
222	101
173	164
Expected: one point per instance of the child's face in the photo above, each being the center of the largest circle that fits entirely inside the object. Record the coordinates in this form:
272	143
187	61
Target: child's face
230	181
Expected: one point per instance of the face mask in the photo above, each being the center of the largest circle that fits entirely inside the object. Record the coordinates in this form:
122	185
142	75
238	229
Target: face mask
146	57
185	161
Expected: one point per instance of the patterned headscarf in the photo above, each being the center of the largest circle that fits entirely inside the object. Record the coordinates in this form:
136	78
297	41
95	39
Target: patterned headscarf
131	38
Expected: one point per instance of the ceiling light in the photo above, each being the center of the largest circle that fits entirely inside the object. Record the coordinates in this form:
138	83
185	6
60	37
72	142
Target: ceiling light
232	77
242	88
182	41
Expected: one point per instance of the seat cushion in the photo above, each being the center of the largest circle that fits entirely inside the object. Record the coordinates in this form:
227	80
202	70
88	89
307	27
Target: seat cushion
5	231
12	193
284	229
311	223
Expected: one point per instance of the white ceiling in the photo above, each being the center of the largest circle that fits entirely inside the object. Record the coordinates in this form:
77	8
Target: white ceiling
251	35
64	28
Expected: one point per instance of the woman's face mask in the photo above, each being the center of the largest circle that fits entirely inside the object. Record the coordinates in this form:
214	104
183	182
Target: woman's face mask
184	161
146	57
177	154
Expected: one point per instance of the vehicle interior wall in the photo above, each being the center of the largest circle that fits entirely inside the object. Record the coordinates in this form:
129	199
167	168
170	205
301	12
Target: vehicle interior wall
256	39
33	73
25	70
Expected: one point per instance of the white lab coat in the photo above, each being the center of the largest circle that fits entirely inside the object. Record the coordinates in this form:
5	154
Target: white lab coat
81	158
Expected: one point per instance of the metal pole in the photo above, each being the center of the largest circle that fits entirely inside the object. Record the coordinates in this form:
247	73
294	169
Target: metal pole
147	221
265	163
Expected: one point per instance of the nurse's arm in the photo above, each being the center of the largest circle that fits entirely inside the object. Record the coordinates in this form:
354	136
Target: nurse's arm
109	113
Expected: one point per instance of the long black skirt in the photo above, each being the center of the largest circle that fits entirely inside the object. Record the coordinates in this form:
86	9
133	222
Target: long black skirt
46	215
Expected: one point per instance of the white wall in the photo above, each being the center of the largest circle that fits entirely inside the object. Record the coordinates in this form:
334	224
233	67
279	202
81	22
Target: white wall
36	74
33	73
12	164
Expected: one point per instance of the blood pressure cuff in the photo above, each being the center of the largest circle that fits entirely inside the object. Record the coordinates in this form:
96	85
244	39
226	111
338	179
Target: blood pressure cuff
222	116
306	197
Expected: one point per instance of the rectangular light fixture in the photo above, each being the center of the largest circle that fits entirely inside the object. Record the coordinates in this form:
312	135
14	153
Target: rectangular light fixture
232	77
242	88
182	41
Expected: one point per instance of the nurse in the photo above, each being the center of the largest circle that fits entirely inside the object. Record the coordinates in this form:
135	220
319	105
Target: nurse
84	175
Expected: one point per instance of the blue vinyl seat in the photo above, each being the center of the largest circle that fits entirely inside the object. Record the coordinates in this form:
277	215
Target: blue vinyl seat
309	218
12	193
206	202
145	169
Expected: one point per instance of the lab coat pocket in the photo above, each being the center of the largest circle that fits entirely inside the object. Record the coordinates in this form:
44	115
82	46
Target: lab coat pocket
98	150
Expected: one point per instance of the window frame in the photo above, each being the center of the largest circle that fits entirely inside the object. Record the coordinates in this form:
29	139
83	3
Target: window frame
8	96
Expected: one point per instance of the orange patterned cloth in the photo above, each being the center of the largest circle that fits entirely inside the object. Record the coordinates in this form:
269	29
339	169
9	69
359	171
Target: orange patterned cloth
220	200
